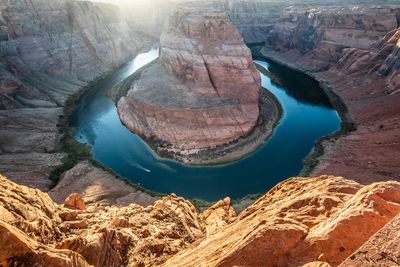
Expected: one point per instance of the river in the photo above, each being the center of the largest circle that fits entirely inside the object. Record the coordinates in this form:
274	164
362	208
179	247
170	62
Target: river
307	116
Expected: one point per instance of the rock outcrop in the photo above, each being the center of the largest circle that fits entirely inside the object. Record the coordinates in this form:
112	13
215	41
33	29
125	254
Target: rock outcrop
35	231
296	222
206	93
382	249
97	186
300	221
317	35
49	51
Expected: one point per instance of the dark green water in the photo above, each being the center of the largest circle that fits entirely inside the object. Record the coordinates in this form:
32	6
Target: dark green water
307	116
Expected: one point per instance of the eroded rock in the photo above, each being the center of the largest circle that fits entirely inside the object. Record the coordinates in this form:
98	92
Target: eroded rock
297	221
207	89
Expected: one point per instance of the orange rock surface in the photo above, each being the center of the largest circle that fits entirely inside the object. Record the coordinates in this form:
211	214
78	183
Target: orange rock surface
302	221
296	222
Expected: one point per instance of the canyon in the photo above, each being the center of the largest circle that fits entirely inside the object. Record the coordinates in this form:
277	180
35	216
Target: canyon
354	53
52	50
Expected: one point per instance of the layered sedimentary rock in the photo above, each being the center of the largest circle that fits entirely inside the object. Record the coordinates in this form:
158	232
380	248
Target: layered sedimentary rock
353	50
203	93
319	34
49	51
300	221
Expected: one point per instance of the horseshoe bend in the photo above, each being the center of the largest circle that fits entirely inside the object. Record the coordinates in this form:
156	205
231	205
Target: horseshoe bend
207	91
199	133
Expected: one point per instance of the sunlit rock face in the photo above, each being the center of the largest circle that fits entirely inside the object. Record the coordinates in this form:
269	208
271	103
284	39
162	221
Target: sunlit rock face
34	231
204	91
49	51
299	220
291	225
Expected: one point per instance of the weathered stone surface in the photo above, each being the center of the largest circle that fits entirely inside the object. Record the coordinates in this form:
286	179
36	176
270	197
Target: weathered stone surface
49	51
75	201
297	221
99	187
100	235
382	249
207	89
217	216
19	250
293	224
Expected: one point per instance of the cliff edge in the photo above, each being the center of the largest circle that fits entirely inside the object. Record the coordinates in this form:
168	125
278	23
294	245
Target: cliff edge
299	221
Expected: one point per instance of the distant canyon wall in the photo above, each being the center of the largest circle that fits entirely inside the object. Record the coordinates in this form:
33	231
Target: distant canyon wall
50	50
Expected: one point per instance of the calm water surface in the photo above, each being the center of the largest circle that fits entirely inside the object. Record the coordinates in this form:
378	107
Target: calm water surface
307	116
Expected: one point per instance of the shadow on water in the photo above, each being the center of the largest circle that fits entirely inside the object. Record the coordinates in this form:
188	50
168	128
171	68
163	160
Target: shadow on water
307	116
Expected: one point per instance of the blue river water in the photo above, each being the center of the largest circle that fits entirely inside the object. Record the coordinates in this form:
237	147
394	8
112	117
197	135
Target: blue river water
307	116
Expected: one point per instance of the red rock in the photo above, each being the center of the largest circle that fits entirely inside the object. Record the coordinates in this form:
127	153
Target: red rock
207	89
75	201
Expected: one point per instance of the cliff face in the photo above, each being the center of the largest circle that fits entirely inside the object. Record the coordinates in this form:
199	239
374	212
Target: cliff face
321	33
49	51
205	90
354	51
293	224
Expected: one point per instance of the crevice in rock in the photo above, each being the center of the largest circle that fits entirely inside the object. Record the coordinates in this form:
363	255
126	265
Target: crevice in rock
210	76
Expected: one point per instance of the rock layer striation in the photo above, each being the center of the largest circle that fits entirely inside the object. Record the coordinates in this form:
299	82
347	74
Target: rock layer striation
354	52
203	92
49	51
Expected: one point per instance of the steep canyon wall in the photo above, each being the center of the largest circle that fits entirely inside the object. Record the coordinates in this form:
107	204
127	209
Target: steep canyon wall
49	51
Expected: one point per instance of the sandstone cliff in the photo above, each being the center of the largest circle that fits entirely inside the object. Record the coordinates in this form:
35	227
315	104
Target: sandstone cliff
206	92
300	221
50	50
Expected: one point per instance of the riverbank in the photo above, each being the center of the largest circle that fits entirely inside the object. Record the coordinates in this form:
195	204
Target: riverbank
348	124
96	121
78	155
270	114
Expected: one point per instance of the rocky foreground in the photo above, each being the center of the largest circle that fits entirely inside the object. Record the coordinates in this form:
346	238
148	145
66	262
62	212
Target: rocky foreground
204	92
300	221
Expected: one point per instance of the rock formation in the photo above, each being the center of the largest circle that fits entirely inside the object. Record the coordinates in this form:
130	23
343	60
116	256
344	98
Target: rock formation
50	50
300	221
296	222
382	249
97	186
206	92
36	231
